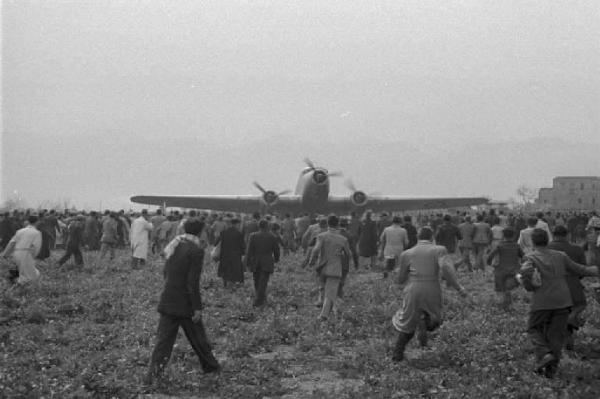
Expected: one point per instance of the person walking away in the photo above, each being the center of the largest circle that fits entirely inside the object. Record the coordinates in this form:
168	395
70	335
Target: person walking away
7	230
524	240
497	237
481	240
367	239
251	226
383	222
261	255
24	247
507	255
330	250
577	255
465	245
231	269
544	272
393	240
422	266
139	238
592	233
309	239
542	224
180	303
448	235
74	241
92	231
344	224
109	239
156	221
411	231
162	234
288	233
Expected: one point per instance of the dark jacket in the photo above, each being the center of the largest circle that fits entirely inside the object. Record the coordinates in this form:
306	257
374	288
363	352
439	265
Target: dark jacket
577	255
411	230
75	236
262	252
448	235
553	267
509	256
181	293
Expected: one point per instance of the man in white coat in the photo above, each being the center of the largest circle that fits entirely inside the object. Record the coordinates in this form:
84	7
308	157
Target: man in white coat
24	247
139	237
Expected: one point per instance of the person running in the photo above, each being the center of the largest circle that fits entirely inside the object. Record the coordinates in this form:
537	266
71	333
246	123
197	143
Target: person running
508	255
544	272
24	247
577	255
74	241
422	266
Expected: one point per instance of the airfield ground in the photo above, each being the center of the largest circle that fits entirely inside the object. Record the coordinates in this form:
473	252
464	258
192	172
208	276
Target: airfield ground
89	333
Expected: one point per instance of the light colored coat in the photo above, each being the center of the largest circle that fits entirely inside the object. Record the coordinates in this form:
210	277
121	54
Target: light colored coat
24	247
394	239
422	266
139	237
329	249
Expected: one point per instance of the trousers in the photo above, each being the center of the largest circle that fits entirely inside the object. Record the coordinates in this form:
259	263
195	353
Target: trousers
74	251
547	330
261	279
168	326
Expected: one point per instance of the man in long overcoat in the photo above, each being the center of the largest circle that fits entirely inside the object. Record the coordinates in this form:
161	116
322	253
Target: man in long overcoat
422	266
231	268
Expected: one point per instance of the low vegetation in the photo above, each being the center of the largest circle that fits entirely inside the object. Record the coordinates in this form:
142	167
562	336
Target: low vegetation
89	333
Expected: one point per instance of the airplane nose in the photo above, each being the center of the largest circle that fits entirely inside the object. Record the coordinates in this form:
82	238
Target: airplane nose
320	177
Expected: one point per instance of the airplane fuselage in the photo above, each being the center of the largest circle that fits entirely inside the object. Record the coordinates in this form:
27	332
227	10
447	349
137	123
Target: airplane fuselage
313	189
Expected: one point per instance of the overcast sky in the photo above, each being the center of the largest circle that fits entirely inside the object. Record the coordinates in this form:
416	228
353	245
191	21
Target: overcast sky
103	99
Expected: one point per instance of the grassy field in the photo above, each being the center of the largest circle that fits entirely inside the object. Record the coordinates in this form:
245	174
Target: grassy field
90	332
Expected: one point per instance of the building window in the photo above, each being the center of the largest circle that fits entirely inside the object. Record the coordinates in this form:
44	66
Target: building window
579	200
571	185
593	201
582	186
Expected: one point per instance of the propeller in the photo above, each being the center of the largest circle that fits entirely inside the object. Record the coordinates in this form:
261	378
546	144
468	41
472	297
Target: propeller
321	174
269	196
358	197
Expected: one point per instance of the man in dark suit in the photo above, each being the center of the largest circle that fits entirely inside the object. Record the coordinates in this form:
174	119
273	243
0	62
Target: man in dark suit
180	302
261	256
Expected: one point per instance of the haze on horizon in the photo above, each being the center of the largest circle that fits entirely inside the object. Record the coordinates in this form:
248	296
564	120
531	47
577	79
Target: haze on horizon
104	100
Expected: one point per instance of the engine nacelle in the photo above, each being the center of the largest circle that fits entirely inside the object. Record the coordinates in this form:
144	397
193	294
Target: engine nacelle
270	197
359	198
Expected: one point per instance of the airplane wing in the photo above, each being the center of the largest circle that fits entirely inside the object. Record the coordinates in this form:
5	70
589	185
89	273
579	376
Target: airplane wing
225	203
344	205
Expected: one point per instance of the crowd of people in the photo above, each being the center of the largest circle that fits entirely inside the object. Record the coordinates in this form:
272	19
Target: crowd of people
547	253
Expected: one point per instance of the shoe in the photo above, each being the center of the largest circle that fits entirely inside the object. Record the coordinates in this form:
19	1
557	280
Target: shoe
215	370
546	360
550	371
403	339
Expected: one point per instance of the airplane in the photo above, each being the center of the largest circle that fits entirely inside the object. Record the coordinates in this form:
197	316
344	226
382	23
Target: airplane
311	196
